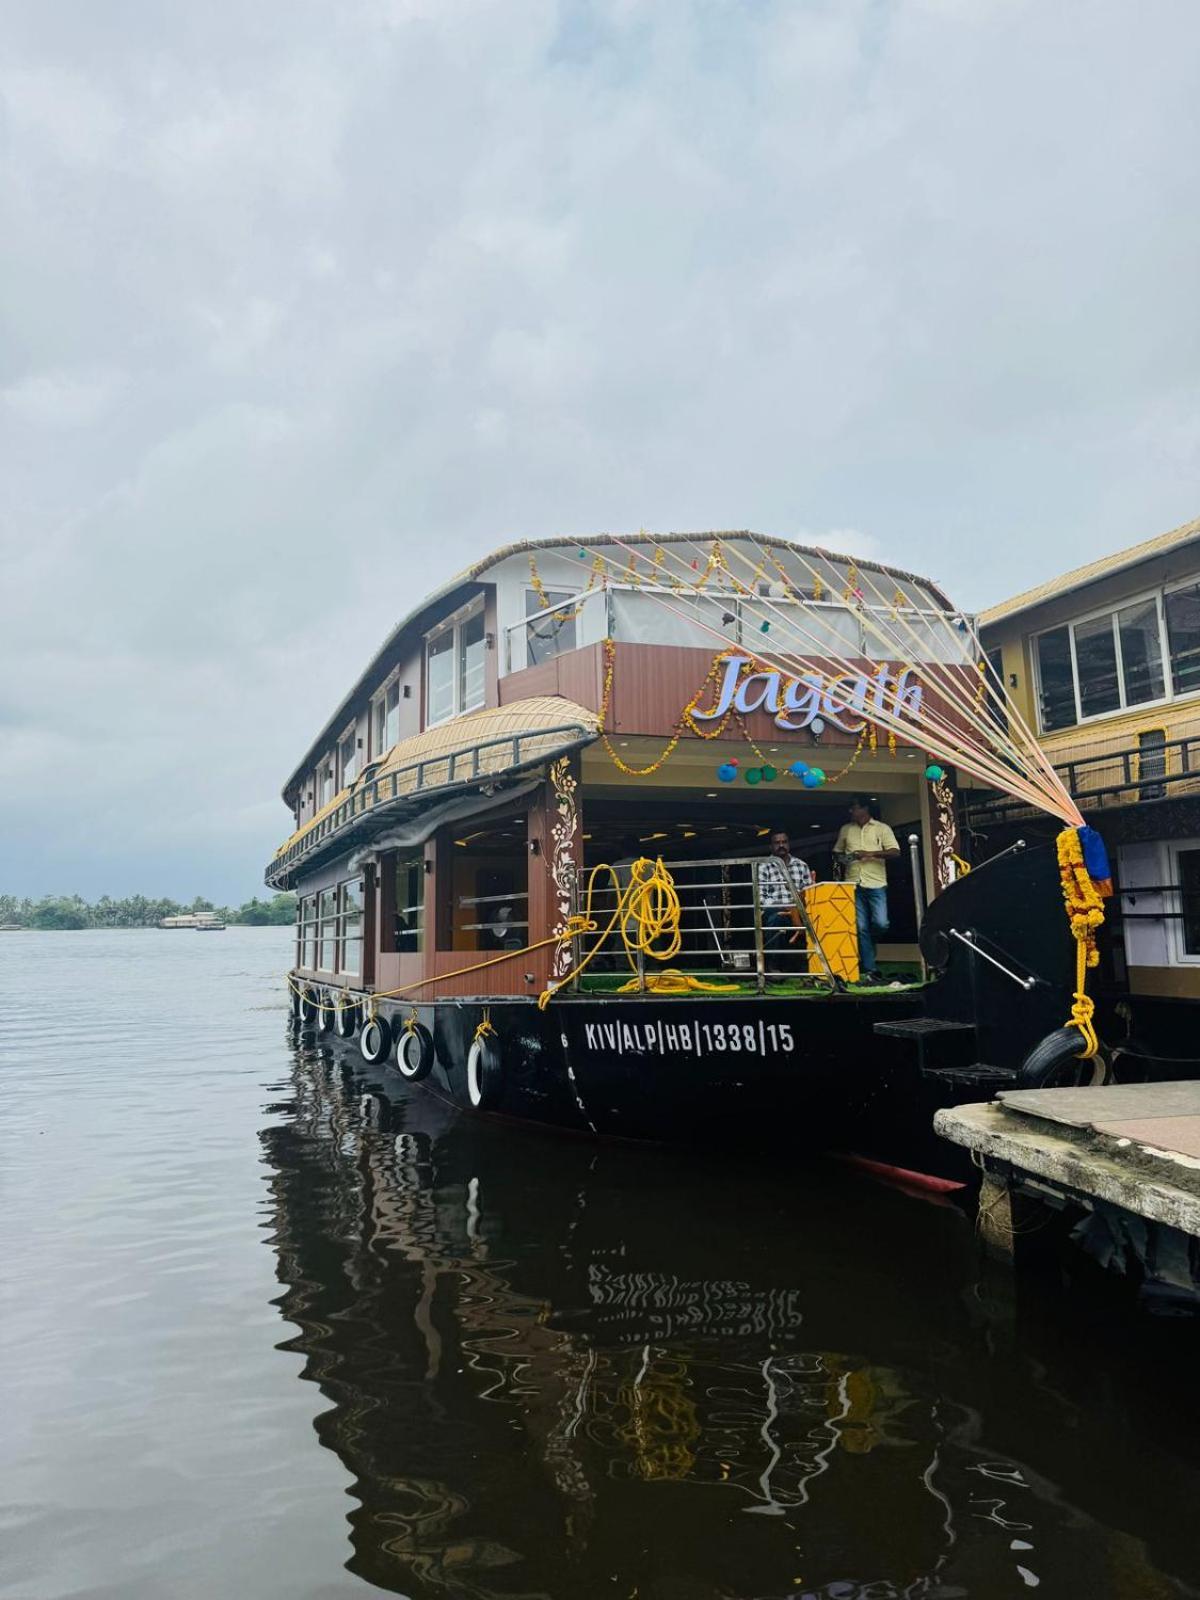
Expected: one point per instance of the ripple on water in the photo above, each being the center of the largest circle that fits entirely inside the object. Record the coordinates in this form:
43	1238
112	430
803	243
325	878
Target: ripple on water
274	1328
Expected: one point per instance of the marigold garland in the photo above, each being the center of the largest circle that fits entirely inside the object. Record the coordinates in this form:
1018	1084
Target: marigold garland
1085	914
686	721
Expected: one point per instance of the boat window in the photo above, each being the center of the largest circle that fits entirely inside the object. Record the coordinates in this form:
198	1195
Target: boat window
440	676
486	889
1056	680
348	757
409	937
470	663
327	941
1114	661
552	633
386	726
1187	864
455	667
350	927
306	944
1183	629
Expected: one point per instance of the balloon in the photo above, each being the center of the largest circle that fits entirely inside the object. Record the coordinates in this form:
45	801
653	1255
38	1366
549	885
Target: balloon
811	781
769	774
798	769
727	772
933	772
753	775
819	774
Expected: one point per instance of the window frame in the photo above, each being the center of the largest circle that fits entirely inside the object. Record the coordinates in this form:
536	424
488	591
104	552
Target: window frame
1112	610
454	625
376	736
341	776
1178	954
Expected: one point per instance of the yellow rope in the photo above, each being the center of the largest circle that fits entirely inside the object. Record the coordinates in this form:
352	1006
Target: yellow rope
485	1030
1085	913
672	981
647	913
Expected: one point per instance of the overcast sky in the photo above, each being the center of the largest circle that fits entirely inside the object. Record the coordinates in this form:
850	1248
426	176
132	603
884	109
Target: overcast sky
309	304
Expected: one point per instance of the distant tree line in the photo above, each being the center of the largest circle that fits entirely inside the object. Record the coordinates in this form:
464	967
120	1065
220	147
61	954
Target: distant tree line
136	911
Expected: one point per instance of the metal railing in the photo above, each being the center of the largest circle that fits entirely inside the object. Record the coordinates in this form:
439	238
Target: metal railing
725	931
513	752
1111	777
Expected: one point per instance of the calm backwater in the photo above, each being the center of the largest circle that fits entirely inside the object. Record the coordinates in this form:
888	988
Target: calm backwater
275	1327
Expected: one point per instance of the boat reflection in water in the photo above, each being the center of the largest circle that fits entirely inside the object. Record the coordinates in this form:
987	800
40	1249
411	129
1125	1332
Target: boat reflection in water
558	1369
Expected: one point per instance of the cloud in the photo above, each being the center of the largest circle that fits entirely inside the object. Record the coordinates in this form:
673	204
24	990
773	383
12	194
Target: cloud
314	306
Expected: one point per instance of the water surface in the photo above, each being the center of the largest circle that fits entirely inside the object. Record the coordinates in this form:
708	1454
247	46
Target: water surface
275	1326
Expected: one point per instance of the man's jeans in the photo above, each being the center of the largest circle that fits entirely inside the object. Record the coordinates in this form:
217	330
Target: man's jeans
871	913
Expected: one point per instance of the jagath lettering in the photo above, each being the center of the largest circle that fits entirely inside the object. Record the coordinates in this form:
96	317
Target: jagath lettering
846	701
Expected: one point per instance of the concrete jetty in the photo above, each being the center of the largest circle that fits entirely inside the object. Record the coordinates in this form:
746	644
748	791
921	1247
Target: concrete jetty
1127	1157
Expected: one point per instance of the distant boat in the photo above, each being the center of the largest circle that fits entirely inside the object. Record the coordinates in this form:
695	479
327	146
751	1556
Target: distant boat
201	921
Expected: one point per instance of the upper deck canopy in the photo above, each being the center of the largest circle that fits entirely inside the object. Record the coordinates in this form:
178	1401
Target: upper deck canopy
836	563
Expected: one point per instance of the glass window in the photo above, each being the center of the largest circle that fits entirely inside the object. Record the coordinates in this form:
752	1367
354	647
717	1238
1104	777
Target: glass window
325	788
410	905
385	729
1188	864
1096	665
471	663
554	634
1183	631
1056	680
1141	652
455	668
328	930
348	757
439	668
306	943
350	915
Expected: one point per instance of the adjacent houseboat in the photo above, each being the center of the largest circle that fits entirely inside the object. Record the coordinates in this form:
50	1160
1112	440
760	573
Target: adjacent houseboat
1104	662
537	860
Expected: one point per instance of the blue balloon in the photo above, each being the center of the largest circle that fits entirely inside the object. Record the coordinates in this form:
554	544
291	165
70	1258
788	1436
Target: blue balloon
726	773
798	769
811	781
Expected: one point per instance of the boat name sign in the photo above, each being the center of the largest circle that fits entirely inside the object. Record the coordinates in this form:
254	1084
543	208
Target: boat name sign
811	700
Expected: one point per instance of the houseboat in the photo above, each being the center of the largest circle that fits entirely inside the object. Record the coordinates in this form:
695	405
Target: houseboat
198	921
537	857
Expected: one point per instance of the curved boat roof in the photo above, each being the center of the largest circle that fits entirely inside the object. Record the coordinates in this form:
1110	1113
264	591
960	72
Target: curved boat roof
477	570
428	768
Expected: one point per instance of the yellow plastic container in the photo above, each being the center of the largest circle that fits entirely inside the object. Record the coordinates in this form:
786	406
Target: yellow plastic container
831	910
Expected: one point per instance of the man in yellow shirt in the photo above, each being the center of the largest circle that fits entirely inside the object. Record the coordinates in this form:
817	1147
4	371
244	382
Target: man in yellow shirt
865	846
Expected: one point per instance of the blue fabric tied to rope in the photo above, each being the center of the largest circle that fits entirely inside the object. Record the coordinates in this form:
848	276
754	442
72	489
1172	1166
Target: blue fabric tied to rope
1095	857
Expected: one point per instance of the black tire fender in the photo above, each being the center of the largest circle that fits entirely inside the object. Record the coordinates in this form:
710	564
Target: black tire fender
326	1015
414	1051
375	1040
346	1020
309	999
485	1072
1056	1062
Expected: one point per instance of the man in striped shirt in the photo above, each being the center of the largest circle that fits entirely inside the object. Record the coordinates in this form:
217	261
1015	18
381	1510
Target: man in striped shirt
778	875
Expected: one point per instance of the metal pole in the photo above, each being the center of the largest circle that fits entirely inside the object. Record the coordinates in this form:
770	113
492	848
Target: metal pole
918	868
756	903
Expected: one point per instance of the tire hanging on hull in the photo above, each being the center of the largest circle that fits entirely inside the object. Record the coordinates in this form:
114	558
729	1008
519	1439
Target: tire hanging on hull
485	1072
375	1040
414	1051
1057	1063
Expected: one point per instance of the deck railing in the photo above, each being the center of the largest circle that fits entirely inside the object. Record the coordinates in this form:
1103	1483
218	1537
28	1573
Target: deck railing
725	931
1112	778
502	756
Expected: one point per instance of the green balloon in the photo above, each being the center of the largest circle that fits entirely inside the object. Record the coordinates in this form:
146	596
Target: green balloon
753	775
770	774
819	774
